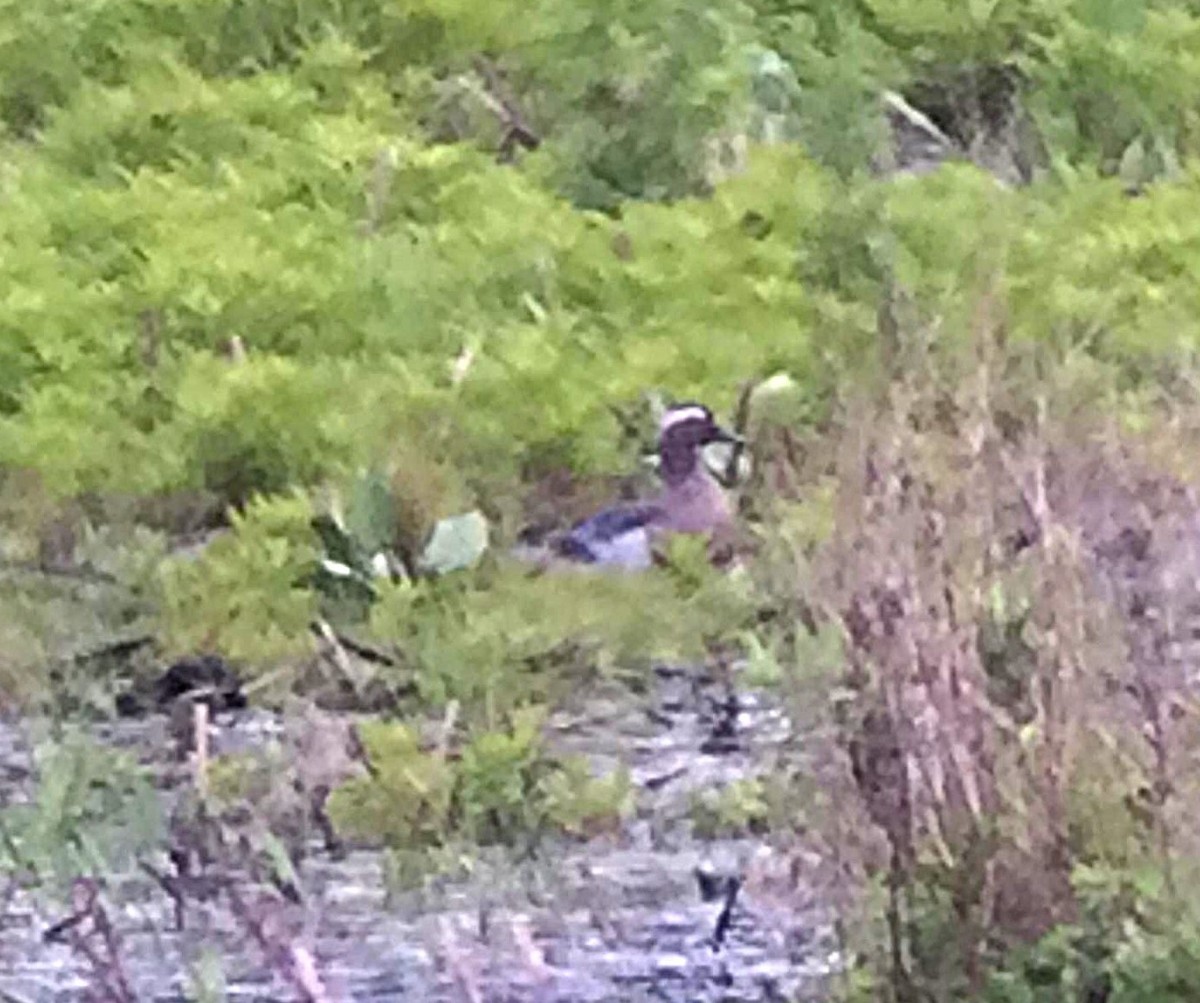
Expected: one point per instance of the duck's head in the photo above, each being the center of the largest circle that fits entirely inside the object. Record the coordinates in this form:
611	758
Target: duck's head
683	431
690	426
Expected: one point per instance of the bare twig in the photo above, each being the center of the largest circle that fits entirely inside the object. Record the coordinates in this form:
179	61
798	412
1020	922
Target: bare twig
517	131
200	751
292	961
532	956
447	730
236	349
90	934
350	672
377	193
461	365
366	652
741	423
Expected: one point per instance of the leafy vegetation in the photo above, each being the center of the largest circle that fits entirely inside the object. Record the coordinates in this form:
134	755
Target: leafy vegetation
93	811
501	788
739	807
354	292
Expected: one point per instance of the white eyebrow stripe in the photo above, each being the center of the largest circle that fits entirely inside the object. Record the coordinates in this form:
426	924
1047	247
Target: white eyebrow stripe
677	416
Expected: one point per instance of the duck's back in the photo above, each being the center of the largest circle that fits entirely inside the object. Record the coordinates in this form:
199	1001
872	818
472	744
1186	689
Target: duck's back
620	536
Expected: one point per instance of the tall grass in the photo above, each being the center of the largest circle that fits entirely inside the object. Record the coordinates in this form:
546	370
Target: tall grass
1013	571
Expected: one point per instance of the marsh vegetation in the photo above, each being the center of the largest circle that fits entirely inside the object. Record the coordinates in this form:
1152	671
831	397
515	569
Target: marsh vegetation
310	312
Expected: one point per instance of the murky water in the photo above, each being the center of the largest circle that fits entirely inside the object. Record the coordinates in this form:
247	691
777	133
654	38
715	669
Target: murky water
616	918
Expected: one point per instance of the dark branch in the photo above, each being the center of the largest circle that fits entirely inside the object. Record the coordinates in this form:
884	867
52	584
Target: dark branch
517	131
741	422
366	652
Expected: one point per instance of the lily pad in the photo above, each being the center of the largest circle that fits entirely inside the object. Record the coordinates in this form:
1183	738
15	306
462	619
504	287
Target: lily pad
456	543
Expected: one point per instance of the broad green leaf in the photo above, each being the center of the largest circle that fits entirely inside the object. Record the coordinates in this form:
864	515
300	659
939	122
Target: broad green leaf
456	543
370	514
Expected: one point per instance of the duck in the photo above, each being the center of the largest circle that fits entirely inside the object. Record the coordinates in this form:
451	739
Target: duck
691	500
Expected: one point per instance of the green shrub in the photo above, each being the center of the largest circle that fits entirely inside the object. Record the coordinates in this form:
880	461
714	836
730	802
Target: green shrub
246	596
503	788
492	639
91	812
737	809
239	430
319	181
408	802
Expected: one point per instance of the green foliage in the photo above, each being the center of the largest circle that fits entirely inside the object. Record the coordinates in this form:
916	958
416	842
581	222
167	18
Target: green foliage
382	535
1134	942
498	772
1114	74
245	596
370	519
456	543
503	788
54	630
655	83
491	640
408	801
92	811
239	429
317	182
582	804
277	206
737	809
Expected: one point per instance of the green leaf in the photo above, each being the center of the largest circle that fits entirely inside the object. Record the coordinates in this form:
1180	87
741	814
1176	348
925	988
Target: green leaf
456	543
284	870
1149	882
370	516
337	542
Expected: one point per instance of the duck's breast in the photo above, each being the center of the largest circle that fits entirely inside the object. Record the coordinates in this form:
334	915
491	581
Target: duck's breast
696	506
